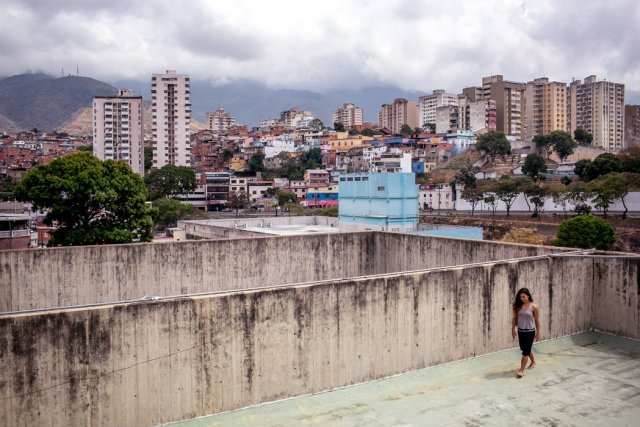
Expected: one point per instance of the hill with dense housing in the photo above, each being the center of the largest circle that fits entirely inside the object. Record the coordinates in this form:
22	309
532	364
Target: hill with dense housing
44	102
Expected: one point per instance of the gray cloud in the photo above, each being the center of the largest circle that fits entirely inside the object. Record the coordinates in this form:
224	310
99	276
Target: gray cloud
414	44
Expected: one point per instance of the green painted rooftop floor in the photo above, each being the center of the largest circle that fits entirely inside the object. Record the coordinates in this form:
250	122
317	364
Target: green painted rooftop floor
588	379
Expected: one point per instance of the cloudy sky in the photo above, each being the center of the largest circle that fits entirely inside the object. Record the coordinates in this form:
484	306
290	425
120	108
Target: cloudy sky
328	44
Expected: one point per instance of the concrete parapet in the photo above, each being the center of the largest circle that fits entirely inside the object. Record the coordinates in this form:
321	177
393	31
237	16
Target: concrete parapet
146	363
62	277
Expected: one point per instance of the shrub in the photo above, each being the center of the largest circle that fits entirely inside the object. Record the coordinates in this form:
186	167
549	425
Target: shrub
585	231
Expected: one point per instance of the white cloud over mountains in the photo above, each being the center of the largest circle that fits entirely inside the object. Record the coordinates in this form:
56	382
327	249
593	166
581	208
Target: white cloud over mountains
328	44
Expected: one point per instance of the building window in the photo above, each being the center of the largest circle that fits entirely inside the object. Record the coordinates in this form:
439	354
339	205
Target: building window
381	188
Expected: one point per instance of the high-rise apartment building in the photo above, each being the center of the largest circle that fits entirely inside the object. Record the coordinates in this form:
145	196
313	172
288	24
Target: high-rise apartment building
427	105
598	108
545	107
402	111
474	113
509	104
220	120
170	119
632	125
349	115
117	129
446	118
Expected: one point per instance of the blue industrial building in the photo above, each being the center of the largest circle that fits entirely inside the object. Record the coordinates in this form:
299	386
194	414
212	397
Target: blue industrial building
378	201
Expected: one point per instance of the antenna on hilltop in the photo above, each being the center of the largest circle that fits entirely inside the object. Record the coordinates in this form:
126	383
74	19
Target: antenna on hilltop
77	70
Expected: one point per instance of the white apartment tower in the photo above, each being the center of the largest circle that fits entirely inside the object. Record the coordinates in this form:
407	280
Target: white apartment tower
117	129
427	105
349	115
171	118
220	120
598	108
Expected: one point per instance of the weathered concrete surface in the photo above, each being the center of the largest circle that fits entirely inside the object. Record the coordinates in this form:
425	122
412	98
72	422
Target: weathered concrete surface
63	277
237	227
588	379
155	362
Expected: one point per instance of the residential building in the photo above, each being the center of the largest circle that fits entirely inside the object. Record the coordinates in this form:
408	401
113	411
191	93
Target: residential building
545	107
392	162
597	107
316	177
508	96
428	104
170	119
292	118
446	118
256	189
322	195
474	113
436	197
217	189
632	125
349	115
400	112
378	201
118	129
220	120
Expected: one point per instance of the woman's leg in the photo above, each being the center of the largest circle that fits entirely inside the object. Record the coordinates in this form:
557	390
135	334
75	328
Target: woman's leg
533	361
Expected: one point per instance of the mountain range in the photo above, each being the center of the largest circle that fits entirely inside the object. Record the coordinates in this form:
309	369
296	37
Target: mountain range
47	103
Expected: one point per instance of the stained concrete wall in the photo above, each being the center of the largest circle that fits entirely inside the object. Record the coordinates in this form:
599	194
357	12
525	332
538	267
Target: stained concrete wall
63	277
236	227
147	363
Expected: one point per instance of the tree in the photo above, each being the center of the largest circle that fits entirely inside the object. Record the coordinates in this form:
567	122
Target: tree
630	160
256	162
534	166
227	154
238	200
561	197
169	181
429	127
405	129
585	231
491	200
608	188
418	130
87	148
543	144
562	144
494	144
582	136
473	196
338	127
602	165
93	202
311	159
467	176
580	168
580	195
507	190
7	186
367	132
537	195
167	212
148	158
316	124
566	181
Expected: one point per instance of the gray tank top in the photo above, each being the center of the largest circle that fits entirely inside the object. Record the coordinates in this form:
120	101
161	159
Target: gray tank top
526	321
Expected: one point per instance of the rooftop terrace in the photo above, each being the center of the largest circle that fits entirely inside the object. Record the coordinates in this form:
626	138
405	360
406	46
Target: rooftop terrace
587	379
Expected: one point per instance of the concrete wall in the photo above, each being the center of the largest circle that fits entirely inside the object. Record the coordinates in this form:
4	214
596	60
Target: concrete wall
236	227
141	364
63	277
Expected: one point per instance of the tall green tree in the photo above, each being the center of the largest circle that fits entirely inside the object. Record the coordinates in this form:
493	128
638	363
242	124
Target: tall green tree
7	186
602	165
405	129
169	181
338	127
537	195
311	159
93	202
167	212
580	195
467	176
256	163
494	144
585	231
609	188
562	144
473	196
543	144
148	158
507	189
238	200
582	136
534	166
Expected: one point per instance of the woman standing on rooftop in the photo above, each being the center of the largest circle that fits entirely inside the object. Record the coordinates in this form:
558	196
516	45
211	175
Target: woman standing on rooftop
525	318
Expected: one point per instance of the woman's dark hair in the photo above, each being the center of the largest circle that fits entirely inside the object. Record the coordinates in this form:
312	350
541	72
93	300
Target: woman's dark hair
518	303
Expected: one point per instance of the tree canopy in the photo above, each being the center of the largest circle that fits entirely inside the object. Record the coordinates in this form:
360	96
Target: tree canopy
405	129
467	176
93	202
167	212
507	190
256	162
562	144
169	181
338	126
582	136
534	166
585	231
494	144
